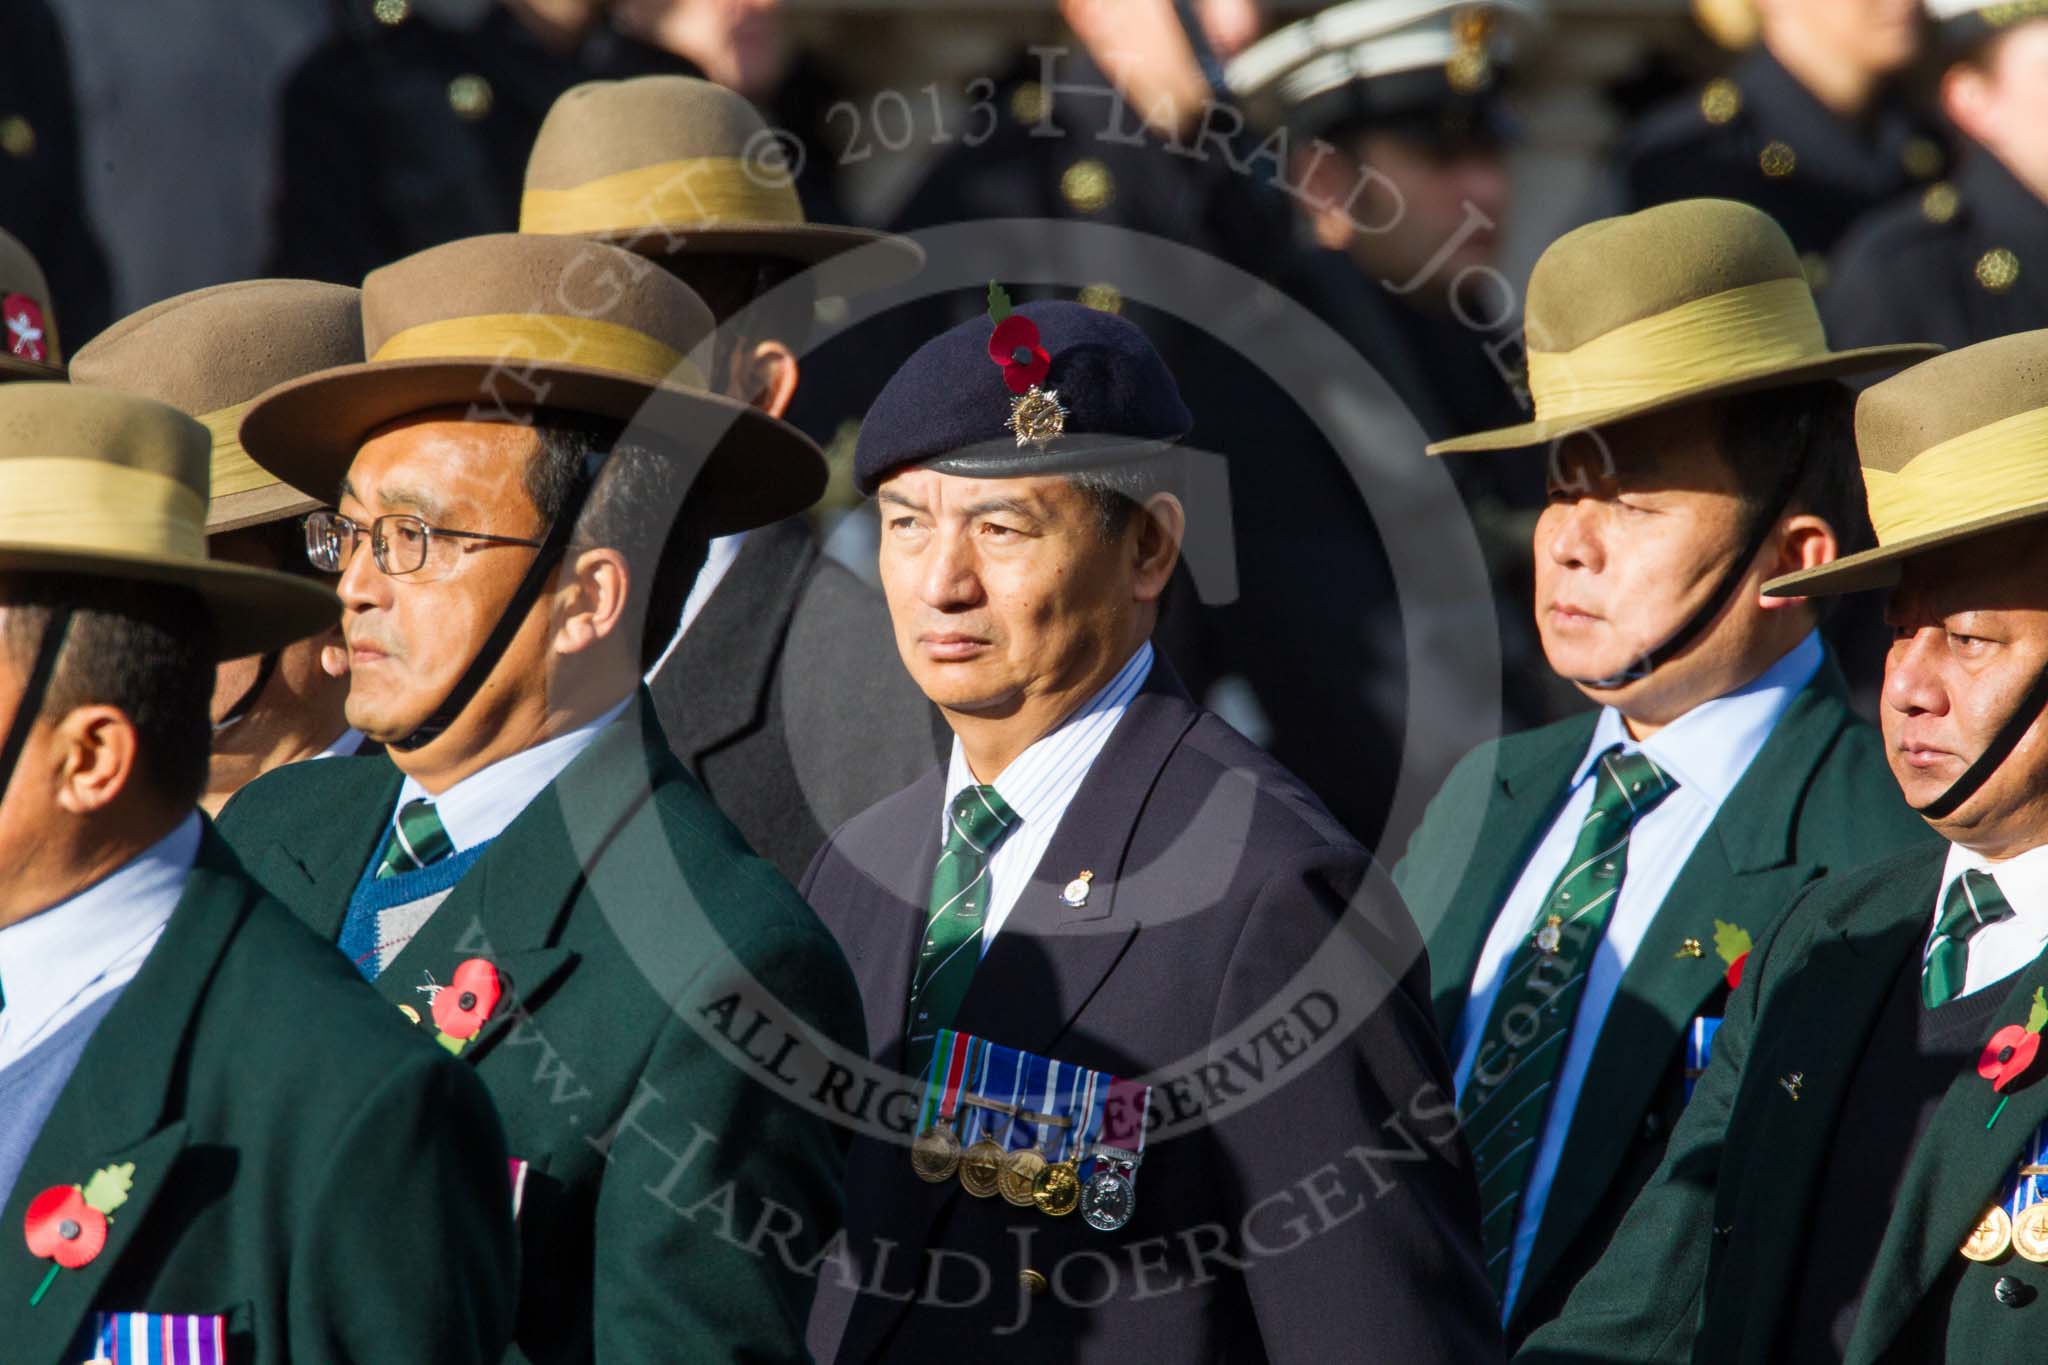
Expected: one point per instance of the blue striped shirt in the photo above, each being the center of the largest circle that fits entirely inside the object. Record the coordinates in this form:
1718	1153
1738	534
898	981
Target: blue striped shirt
1040	783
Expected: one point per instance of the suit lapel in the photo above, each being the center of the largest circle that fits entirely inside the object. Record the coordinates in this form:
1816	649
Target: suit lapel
118	1107
509	908
1747	856
317	865
1953	1176
1050	957
1460	907
736	640
884	913
1796	1081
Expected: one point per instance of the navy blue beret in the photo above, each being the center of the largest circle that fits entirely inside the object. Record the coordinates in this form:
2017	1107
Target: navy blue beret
950	408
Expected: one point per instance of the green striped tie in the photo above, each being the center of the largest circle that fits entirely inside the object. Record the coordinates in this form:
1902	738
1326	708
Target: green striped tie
1973	901
1508	1096
976	821
417	839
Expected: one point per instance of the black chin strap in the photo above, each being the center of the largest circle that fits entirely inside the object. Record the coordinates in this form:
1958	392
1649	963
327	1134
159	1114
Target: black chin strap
1731	578
2001	746
47	650
514	616
244	704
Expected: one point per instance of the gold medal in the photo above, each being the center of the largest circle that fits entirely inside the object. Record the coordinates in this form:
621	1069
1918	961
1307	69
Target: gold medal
2030	1232
1019	1179
981	1167
936	1153
1991	1238
1058	1190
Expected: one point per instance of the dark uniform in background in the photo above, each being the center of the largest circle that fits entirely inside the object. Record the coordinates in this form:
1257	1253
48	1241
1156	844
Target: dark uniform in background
1964	260
1759	136
42	198
397	138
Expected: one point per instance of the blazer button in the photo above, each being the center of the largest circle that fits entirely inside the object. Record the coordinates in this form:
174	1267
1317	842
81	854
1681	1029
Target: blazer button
2010	1292
1034	1282
1653	1126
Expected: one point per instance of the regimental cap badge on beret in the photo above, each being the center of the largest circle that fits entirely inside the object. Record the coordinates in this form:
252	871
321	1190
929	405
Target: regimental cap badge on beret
1036	415
1470	68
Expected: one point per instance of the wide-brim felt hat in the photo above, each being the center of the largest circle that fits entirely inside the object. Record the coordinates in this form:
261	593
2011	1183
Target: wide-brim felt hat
1952	449
210	352
29	348
1676	305
502	326
672	166
107	485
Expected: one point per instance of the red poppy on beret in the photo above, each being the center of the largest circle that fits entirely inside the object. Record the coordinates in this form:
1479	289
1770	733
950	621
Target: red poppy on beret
462	1006
1014	346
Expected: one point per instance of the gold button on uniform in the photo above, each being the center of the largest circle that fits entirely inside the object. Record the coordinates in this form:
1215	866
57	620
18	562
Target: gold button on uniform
1998	270
470	96
1940	202
391	13
1027	102
1033	1281
1922	157
1777	160
1721	101
1103	298
17	136
1087	187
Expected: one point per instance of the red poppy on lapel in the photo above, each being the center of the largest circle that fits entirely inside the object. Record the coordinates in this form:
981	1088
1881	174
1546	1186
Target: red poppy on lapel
62	1227
463	1005
2007	1056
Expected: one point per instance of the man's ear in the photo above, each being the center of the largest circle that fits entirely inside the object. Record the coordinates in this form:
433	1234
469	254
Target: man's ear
590	599
1161	525
1804	541
765	376
96	751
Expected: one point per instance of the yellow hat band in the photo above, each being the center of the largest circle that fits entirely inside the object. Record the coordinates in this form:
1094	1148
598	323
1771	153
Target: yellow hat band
687	195
1752	330
515	340
1997	468
60	504
232	469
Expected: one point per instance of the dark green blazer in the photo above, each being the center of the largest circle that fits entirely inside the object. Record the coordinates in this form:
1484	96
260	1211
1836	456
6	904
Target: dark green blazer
1704	1266
625	915
1817	798
282	1124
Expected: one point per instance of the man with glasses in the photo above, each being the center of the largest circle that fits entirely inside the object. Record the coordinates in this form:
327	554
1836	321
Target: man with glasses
528	873
194	353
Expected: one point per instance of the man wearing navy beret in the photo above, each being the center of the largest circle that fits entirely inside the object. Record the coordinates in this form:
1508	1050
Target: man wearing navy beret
1107	877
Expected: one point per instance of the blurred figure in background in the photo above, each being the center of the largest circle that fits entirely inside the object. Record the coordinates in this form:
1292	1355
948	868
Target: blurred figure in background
42	200
1967	260
411	131
1810	127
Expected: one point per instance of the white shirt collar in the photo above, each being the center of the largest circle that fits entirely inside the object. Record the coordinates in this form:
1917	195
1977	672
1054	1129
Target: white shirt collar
1040	782
1707	750
718	561
346	745
477	809
48	959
